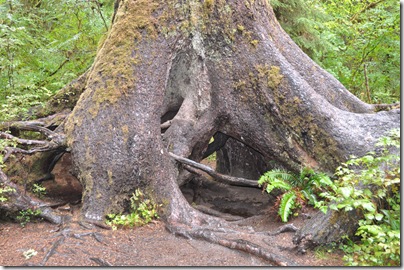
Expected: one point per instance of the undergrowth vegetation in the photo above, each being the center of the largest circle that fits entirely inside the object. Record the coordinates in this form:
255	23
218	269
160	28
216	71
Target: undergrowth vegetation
3	193
370	184
298	190
44	45
356	41
142	211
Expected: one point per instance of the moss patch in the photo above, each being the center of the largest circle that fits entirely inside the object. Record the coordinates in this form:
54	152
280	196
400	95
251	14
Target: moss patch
272	74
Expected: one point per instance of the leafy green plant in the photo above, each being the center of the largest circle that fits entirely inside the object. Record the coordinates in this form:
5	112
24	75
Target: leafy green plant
25	216
298	190
3	191
18	105
46	44
142	211
356	41
39	190
364	183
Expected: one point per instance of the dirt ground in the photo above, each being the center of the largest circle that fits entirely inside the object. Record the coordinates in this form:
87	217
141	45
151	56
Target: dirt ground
152	245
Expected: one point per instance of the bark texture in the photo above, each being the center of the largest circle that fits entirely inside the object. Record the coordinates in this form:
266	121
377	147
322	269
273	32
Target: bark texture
172	74
212	66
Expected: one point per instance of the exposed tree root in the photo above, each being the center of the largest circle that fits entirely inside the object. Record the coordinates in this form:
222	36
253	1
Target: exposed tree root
283	229
213	236
17	201
386	107
220	140
68	232
230	180
52	250
53	140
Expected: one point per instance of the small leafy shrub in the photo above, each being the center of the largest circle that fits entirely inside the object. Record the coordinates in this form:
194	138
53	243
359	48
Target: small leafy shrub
142	211
4	190
25	216
19	105
364	183
39	190
298	190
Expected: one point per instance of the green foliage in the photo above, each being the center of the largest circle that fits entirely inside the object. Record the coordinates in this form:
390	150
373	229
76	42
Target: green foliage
142	211
364	37
303	21
212	157
4	190
356	41
25	216
39	190
45	44
363	183
18	105
4	143
298	189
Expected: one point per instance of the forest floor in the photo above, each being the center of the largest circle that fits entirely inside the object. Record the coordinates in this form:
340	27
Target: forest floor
150	245
71	244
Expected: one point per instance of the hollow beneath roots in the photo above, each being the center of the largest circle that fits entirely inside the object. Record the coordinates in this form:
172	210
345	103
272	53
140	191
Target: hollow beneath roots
237	201
64	186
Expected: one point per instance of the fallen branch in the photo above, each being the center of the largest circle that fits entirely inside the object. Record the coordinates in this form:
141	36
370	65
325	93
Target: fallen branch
229	180
283	229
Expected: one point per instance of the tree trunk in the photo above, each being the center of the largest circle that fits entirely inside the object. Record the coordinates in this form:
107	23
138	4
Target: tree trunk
207	67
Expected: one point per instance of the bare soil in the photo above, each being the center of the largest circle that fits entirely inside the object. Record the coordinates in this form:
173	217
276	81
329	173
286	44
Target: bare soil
150	245
71	244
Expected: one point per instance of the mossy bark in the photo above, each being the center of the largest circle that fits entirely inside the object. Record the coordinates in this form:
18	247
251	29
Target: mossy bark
208	66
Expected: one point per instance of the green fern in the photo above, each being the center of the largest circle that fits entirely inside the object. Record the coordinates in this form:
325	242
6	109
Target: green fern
288	203
298	189
276	179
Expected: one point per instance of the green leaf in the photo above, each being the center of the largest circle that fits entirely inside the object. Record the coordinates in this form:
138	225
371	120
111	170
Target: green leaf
379	216
369	207
346	191
287	205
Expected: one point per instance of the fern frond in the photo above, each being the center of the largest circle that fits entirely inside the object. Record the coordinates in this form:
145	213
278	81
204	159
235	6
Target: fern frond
287	205
270	176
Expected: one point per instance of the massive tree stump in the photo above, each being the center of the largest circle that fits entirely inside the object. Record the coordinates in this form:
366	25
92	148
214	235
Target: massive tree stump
172	74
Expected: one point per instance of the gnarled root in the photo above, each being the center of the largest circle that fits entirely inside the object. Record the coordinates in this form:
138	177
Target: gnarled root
17	201
233	239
